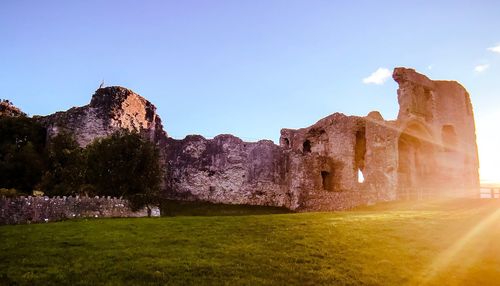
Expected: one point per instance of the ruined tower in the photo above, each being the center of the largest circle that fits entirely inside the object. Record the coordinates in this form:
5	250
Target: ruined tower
337	163
437	149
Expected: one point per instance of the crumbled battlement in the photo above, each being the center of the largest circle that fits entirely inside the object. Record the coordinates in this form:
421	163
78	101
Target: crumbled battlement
111	109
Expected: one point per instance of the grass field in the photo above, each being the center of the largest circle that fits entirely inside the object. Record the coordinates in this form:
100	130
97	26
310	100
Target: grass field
435	243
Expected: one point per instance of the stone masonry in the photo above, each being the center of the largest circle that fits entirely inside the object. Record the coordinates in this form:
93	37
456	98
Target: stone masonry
44	209
337	163
111	109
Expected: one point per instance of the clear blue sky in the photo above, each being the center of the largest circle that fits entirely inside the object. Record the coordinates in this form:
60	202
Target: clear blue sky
250	68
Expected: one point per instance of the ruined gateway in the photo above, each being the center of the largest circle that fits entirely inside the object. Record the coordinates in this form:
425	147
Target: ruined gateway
429	150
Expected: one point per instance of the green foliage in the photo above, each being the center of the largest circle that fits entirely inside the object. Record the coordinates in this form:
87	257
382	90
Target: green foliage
395	244
125	165
22	142
122	165
9	193
66	167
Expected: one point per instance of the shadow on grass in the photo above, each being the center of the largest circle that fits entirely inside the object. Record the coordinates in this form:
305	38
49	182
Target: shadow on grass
187	208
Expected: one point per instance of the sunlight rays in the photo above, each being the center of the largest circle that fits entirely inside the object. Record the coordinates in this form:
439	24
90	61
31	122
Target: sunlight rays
451	254
421	134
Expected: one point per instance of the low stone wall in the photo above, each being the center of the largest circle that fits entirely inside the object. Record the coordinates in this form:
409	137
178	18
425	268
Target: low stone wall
44	209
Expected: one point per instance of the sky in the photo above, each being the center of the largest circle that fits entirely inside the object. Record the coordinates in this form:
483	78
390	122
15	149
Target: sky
250	68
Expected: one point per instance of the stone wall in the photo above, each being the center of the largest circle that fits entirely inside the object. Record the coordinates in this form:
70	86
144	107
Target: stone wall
333	137
44	209
111	109
437	137
226	170
381	156
429	149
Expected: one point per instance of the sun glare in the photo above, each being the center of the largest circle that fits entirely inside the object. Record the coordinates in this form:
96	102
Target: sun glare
452	253
489	168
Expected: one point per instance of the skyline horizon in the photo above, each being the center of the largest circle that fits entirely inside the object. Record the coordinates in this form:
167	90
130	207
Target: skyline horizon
250	69
486	182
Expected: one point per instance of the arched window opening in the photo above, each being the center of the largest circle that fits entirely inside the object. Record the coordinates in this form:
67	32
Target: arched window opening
327	181
416	155
361	177
286	142
306	147
359	154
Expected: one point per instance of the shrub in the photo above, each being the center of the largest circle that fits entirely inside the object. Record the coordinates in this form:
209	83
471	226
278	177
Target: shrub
125	165
22	143
9	193
66	168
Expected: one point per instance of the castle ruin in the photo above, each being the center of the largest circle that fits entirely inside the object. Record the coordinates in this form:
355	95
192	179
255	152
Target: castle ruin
338	163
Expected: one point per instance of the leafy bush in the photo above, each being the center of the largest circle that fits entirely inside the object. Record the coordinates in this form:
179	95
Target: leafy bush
122	165
22	143
9	193
125	165
66	167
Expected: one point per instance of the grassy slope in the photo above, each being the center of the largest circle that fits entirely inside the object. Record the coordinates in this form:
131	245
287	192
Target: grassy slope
440	243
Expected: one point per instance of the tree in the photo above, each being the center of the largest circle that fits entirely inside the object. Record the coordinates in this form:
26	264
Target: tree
125	165
22	142
66	167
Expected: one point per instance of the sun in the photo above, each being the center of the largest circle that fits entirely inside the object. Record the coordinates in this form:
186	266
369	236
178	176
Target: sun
489	155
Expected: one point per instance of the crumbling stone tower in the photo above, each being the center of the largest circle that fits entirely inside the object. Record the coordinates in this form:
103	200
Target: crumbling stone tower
429	150
437	150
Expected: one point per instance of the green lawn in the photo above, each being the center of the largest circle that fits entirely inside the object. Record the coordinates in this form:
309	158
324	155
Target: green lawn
437	243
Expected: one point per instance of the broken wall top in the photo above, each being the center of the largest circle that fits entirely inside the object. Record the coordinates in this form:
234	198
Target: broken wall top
111	108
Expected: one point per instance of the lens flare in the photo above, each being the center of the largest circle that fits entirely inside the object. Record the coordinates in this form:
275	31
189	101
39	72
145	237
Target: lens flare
452	253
